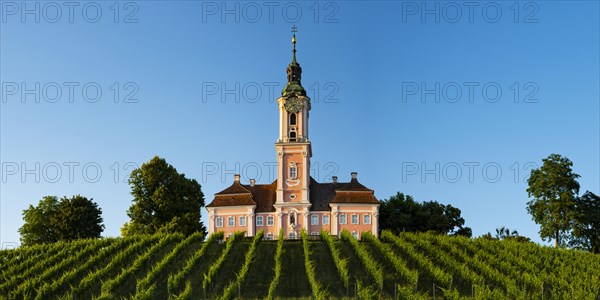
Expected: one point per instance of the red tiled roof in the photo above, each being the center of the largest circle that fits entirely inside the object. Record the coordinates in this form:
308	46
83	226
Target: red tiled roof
354	197
264	195
232	200
234	195
353	185
235	188
321	194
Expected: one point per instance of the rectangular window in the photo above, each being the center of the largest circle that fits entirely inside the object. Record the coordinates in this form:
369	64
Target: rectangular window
219	222
355	234
354	219
269	237
325	220
230	221
314	220
314	233
270	221
367	219
242	221
343	219
259	221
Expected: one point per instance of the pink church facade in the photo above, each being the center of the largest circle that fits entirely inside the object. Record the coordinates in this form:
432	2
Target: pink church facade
294	201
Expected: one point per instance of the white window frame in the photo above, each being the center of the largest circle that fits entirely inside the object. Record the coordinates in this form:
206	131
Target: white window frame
355	234
325	220
242	221
345	219
355	219
217	219
314	233
230	220
367	219
270	221
259	221
293	171
314	220
292	235
269	236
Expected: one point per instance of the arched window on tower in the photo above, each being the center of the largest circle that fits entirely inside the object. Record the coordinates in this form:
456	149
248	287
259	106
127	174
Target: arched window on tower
293	171
292	119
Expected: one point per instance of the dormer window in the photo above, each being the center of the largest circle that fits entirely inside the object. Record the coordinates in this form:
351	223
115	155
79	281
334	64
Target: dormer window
292	119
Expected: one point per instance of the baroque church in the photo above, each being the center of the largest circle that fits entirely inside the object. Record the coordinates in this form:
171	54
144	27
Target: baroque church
295	200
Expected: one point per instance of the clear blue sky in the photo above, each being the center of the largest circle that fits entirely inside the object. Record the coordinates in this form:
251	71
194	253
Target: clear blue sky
401	92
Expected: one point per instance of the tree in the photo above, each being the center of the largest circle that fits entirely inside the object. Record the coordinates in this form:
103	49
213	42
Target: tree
68	219
586	231
398	213
38	227
503	233
401	213
78	218
554	189
163	200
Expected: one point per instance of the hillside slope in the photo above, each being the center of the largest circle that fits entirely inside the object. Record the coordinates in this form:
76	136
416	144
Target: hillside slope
416	266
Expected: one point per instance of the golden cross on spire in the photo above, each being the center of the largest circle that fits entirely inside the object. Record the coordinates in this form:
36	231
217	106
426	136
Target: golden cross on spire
294	30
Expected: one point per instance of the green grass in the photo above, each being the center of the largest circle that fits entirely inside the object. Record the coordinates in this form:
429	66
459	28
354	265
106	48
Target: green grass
293	282
127	286
160	285
227	272
256	285
196	275
482	268
356	271
326	272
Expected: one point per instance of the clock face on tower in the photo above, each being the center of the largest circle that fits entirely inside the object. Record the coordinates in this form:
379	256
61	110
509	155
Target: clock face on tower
293	104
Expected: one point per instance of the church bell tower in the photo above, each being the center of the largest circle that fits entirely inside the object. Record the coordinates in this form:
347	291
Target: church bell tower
293	146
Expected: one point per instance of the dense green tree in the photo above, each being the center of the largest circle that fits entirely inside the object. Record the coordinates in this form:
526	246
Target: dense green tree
554	189
402	213
52	220
38	227
163	200
78	218
586	230
503	233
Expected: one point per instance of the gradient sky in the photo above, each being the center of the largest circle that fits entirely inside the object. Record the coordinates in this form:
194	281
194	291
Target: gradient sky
417	98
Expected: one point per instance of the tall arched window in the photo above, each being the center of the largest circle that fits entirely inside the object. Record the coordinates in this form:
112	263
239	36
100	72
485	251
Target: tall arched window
292	119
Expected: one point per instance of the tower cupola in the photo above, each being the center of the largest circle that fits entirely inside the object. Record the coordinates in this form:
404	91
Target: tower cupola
294	73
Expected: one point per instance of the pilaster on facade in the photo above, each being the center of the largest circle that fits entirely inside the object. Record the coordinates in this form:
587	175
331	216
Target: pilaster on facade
279	219
251	225
211	225
334	222
375	222
305	223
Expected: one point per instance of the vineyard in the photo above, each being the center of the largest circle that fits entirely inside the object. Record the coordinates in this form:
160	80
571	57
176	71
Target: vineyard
405	266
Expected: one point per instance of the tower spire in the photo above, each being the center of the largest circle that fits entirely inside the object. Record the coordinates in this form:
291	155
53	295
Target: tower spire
294	72
294	30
